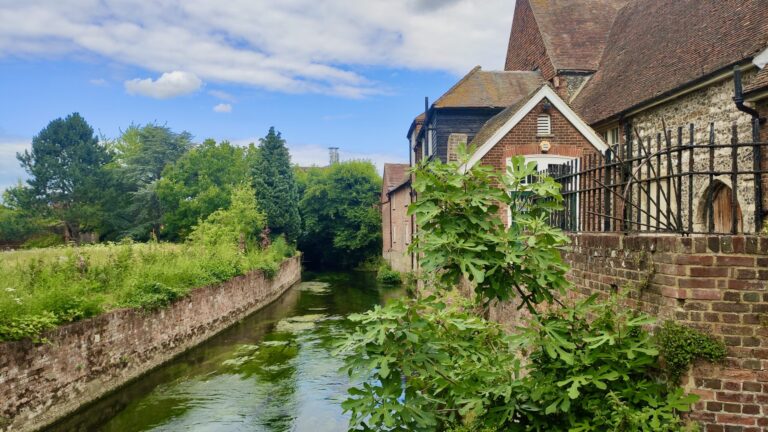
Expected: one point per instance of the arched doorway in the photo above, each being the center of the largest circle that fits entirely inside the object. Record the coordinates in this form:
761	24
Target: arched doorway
721	220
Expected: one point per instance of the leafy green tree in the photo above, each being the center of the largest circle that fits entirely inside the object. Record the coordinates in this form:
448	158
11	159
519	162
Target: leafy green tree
425	365
275	186
342	222
240	223
22	217
142	154
199	183
66	166
462	235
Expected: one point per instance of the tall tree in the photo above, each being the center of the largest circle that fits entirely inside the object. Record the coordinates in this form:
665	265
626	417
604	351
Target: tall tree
143	152
342	223
66	166
199	183
275	186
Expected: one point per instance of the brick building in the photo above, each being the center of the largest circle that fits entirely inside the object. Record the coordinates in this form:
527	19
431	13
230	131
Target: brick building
396	224
643	96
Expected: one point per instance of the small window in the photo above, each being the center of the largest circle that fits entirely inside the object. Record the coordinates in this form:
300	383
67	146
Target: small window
611	137
543	125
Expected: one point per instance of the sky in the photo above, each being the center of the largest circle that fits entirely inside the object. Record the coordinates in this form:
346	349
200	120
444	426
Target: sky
325	73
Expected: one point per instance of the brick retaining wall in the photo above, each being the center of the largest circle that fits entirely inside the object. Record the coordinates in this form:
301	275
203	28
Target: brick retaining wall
718	284
40	383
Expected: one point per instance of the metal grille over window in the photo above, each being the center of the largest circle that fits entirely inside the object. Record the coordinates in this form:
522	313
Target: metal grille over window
543	125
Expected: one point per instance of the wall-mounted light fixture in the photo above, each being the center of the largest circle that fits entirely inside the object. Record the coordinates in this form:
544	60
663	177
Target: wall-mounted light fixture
547	106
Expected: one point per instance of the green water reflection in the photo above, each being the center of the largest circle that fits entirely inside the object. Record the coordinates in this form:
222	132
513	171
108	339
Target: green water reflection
273	371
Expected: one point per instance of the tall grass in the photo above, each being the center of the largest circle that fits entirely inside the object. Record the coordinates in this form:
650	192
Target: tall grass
43	288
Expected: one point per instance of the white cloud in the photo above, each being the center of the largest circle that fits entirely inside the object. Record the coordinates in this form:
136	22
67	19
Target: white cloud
10	169
219	94
223	108
169	85
289	46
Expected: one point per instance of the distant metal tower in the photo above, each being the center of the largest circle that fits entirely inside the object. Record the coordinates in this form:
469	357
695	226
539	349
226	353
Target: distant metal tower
334	154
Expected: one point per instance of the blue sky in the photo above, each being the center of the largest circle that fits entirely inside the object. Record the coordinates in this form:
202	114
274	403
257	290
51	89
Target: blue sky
332	73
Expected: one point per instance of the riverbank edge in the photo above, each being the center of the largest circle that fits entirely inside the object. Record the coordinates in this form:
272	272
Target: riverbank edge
86	360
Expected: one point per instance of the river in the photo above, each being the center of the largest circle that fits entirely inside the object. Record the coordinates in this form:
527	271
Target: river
273	371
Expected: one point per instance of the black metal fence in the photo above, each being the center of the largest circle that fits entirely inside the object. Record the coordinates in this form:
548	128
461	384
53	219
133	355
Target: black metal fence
666	183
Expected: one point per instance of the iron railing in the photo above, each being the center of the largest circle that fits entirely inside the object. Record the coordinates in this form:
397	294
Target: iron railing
667	183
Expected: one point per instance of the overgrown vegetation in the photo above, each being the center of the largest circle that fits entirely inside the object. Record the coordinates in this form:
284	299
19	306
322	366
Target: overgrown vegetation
591	367
47	287
428	365
340	214
681	346
387	276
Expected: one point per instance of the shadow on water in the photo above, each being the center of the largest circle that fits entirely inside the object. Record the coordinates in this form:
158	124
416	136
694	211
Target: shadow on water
273	371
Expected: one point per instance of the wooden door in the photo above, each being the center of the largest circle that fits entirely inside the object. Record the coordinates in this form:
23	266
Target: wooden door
723	211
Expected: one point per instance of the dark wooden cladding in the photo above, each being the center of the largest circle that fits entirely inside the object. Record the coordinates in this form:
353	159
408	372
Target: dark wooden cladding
672	185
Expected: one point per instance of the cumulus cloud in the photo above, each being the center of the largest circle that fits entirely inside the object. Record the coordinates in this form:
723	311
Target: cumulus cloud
169	85
290	45
223	108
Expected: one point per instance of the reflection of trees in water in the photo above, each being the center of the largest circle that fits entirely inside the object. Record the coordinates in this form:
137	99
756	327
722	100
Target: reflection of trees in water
270	366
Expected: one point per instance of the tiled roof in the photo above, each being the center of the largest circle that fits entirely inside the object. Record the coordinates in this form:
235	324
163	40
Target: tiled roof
657	46
416	125
494	123
394	175
760	82
575	32
480	89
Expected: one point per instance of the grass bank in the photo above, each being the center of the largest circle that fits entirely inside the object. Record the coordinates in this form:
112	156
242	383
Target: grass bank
43	288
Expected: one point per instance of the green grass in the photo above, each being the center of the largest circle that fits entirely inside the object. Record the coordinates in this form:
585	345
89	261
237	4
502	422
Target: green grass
43	288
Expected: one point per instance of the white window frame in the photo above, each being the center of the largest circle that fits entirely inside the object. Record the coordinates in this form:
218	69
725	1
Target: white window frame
543	161
612	136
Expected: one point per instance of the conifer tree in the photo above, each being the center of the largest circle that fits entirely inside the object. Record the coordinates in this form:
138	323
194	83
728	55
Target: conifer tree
275	186
66	169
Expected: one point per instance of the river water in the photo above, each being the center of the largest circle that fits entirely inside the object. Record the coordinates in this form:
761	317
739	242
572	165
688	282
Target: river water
273	371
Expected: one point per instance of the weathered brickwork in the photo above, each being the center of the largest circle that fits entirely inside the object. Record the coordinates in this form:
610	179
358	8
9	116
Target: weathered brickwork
400	232
40	383
565	140
386	227
526	50
717	284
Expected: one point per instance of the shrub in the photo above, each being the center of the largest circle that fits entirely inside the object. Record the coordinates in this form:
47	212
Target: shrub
680	346
388	276
428	366
43	240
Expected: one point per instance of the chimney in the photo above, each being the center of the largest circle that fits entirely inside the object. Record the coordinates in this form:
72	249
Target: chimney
334	155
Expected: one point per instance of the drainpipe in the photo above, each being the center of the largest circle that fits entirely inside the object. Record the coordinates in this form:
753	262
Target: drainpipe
738	97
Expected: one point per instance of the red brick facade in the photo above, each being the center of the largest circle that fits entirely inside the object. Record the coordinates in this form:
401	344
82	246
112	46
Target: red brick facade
565	139
526	50
400	230
717	284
